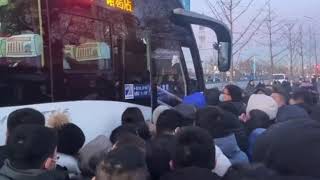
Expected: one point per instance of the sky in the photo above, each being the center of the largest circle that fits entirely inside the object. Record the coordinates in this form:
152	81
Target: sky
298	8
301	11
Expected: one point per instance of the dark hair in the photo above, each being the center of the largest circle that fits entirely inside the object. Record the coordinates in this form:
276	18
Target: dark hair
189	113
280	90
258	119
71	139
30	145
168	121
132	115
123	164
194	147
217	122
123	129
212	96
304	95
159	154
235	92
131	140
24	116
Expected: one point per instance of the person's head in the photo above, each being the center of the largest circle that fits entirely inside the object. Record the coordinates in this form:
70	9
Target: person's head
191	173
130	140
301	96
159	154
156	113
257	119
71	139
264	103
194	147
211	119
189	113
132	115
33	147
232	93
212	96
168	122
123	129
125	163
280	96
24	116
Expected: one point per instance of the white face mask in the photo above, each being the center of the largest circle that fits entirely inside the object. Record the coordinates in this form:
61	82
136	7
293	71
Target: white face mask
221	98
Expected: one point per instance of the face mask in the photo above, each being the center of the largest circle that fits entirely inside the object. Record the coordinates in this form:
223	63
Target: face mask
221	98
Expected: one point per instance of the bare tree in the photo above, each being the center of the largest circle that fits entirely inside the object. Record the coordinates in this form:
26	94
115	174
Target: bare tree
274	33
230	11
291	44
301	49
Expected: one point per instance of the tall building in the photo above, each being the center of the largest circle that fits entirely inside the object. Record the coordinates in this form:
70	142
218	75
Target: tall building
202	37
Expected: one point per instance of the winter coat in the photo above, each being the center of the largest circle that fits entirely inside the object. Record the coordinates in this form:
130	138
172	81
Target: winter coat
4	154
291	112
7	172
92	150
191	173
230	148
291	148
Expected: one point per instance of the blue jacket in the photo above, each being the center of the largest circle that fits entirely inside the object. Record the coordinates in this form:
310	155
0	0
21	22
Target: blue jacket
230	148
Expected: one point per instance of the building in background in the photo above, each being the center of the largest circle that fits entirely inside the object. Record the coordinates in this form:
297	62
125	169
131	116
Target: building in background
186	4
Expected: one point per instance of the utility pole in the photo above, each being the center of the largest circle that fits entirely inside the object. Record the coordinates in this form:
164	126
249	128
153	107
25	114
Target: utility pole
301	50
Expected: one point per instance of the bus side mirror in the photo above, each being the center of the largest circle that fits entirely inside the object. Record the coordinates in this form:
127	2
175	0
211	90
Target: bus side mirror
224	56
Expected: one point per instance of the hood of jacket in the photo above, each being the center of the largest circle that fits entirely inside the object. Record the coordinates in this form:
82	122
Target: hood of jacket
291	112
291	148
10	173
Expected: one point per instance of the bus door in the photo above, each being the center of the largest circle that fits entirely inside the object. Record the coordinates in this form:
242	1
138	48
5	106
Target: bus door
174	70
136	74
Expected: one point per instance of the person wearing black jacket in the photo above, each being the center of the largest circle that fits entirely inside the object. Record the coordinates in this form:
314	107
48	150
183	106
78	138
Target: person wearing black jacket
17	118
32	154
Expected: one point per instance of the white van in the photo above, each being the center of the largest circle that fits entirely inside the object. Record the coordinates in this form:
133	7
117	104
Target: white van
279	77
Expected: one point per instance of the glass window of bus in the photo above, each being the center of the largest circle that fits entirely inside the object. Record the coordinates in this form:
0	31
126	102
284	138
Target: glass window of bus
21	44
205	38
86	43
136	70
21	50
170	79
192	77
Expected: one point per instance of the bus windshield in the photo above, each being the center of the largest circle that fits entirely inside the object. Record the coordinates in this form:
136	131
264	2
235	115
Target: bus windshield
20	38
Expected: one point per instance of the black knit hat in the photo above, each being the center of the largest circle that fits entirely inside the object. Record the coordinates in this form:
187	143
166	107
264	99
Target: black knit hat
235	92
71	139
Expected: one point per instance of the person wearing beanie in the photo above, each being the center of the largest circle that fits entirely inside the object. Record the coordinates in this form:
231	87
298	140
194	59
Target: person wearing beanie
263	103
71	139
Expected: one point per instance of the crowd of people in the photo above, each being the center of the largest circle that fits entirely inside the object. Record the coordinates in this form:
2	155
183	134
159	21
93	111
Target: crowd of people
261	134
